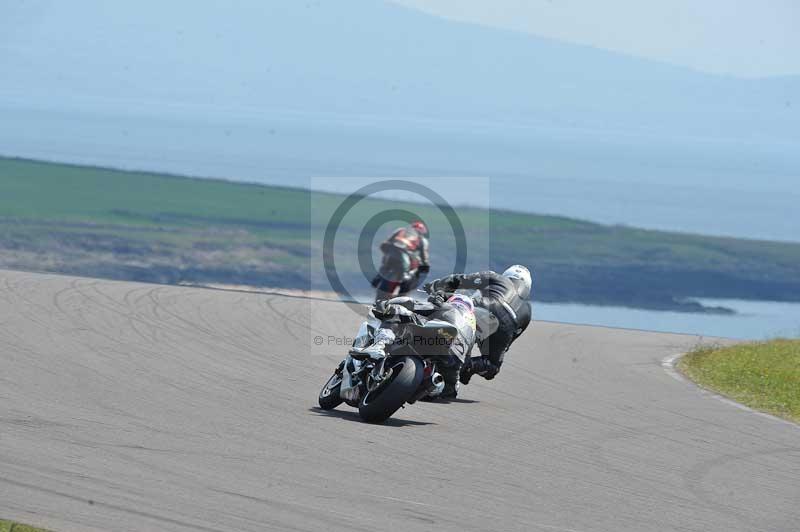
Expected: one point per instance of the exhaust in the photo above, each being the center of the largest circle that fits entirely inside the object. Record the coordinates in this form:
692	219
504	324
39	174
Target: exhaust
430	386
436	385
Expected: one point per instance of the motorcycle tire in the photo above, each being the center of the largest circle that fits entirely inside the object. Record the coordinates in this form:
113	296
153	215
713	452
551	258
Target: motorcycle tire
329	397
378	405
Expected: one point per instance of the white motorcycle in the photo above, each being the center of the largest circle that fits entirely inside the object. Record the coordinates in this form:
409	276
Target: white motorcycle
380	375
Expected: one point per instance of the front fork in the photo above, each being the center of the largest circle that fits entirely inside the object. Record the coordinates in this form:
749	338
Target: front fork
378	375
356	373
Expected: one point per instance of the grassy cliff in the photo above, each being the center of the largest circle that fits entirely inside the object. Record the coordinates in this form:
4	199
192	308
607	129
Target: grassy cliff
168	229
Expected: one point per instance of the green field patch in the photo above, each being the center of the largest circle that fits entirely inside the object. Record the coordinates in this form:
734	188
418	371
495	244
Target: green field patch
10	526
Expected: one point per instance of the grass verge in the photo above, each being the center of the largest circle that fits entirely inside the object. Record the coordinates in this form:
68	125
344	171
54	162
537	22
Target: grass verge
762	375
10	526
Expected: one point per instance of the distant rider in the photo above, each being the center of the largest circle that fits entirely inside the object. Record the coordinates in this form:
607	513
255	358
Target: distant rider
506	296
405	258
457	309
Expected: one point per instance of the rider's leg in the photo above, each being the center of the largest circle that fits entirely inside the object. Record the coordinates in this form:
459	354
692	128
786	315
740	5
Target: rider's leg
391	274
405	280
449	367
493	350
383	337
385	290
467	370
411	284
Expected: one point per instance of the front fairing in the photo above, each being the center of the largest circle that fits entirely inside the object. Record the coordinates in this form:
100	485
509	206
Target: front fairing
350	383
364	335
349	388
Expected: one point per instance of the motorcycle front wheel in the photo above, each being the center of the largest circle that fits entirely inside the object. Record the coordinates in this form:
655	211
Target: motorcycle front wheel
379	404
329	396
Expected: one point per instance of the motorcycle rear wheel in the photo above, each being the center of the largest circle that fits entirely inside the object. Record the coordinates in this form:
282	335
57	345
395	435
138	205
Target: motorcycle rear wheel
378	405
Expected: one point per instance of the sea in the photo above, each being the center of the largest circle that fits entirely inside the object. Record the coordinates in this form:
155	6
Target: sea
742	187
752	320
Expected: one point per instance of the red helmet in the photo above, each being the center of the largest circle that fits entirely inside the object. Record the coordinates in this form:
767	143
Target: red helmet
420	227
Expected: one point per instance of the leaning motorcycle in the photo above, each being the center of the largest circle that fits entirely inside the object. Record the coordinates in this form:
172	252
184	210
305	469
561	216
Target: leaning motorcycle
380	381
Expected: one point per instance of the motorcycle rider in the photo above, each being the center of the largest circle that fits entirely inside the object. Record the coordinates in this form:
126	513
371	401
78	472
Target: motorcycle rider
506	296
456	309
405	258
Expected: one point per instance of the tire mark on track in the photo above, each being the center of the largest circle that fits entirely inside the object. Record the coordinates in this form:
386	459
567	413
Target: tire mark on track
694	483
119	508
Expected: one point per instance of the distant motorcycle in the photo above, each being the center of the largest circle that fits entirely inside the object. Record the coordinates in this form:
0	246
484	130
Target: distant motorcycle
393	281
404	263
379	382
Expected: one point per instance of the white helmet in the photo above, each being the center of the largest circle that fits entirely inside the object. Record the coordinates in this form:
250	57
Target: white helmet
521	277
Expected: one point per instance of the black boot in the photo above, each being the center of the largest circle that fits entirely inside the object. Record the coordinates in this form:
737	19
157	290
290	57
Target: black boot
466	372
483	367
450	382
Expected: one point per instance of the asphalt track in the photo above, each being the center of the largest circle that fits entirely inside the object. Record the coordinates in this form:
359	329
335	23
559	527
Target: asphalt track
129	406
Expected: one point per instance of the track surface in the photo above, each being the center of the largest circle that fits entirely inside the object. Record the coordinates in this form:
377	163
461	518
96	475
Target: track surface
127	406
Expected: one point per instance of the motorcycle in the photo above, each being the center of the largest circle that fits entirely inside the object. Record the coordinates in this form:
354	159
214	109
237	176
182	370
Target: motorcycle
380	381
393	279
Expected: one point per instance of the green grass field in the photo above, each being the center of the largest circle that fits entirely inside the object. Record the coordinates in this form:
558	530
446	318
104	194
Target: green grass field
159	228
764	375
9	526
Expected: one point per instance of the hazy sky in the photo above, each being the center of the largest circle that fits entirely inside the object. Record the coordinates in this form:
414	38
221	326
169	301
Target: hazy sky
740	37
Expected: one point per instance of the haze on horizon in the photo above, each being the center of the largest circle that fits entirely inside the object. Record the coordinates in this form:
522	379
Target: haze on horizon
747	38
281	91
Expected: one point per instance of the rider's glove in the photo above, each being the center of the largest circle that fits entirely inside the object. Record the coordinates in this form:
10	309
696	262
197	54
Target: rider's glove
383	310
449	284
424	268
428	287
438	298
444	285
